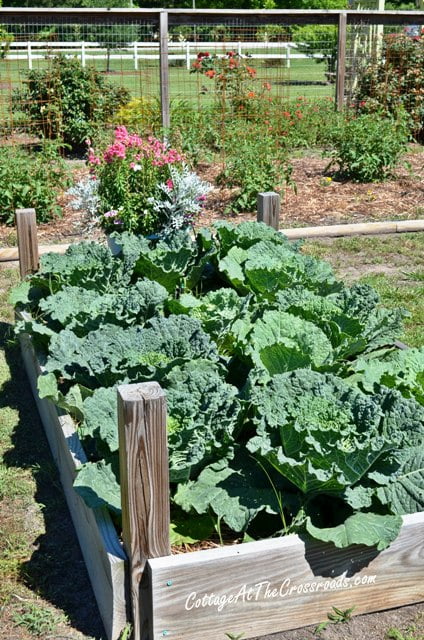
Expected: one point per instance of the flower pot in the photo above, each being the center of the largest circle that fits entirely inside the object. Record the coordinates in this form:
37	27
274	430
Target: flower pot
114	247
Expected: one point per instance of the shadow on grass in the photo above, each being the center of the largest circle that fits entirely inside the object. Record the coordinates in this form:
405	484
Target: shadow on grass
56	570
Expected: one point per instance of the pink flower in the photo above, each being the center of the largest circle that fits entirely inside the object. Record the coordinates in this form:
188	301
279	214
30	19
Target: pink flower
170	184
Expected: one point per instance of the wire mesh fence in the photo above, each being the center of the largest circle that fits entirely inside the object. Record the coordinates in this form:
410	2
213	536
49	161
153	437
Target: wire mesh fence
236	65
235	90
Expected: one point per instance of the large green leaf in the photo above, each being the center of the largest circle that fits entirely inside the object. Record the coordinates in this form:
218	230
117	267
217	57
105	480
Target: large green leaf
404	491
97	484
101	417
298	342
111	354
316	431
235	494
369	529
169	262
400	369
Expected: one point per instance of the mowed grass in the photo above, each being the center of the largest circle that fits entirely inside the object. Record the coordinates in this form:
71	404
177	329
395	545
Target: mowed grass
305	77
392	264
41	571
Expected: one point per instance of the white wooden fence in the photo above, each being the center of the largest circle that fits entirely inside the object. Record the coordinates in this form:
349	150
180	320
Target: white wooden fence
135	51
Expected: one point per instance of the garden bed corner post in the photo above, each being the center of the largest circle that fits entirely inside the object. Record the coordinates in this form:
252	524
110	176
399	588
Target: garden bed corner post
144	474
26	228
268	209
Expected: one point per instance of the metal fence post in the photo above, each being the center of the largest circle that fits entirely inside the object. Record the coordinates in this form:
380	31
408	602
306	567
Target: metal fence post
341	61
164	69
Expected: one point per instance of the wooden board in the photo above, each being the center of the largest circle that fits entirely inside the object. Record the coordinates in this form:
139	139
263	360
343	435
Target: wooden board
103	554
274	585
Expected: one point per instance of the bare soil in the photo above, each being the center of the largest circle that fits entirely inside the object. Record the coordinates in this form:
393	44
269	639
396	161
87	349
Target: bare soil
319	199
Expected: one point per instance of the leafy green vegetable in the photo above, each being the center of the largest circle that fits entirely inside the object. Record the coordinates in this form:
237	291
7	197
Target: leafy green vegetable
110	354
400	369
97	484
235	494
289	407
370	529
205	413
329	439
84	310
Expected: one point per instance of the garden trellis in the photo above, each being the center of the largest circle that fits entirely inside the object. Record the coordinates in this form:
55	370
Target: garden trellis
296	54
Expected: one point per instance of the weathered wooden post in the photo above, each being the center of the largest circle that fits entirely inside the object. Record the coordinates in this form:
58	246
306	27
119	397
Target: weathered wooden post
268	204
26	227
341	62
144	473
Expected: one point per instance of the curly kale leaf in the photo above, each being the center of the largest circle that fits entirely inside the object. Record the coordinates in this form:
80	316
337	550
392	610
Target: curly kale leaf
319	433
112	354
203	415
84	310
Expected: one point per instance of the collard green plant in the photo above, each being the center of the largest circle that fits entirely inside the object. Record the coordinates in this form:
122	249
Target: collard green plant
289	406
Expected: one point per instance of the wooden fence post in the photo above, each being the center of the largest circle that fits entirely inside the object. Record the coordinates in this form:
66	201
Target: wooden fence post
269	209
144	474
341	62
26	227
164	69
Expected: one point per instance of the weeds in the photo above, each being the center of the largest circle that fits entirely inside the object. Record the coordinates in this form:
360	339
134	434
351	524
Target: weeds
336	616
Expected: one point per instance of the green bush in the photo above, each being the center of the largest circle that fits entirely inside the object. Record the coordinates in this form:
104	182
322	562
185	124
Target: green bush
367	147
254	163
396	80
31	179
67	101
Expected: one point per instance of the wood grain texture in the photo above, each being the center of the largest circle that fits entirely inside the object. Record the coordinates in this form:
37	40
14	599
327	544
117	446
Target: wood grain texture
9	254
103	554
279	584
26	228
268	205
144	472
362	228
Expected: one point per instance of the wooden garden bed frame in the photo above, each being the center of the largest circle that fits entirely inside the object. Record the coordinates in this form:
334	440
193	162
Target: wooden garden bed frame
252	588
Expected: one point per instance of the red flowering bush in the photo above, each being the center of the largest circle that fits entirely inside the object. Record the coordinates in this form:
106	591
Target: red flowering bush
235	80
396	81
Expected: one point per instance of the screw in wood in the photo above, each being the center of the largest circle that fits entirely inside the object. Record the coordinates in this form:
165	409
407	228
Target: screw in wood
169	583
165	633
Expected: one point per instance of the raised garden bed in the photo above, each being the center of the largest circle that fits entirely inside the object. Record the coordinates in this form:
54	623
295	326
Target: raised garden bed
251	588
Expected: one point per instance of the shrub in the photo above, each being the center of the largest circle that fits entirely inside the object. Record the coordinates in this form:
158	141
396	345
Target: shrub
368	147
67	101
258	165
31	180
396	81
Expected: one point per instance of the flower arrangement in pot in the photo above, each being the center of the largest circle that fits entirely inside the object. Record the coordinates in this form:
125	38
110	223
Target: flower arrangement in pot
141	185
